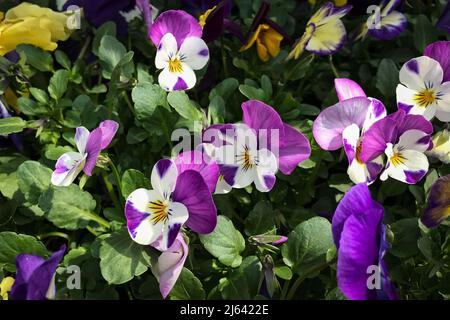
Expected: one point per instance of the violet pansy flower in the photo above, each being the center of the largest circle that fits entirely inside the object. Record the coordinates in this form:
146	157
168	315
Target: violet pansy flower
438	208
89	145
360	238
35	276
253	151
180	49
423	89
404	139
179	196
344	125
170	263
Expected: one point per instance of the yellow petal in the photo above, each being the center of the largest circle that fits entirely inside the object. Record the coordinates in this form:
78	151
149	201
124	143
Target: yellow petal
327	37
204	16
300	45
252	39
441	146
262	51
272	40
5	287
340	3
2	15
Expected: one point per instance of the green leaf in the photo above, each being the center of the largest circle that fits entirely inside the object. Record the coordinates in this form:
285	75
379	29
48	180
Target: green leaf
234	287
54	152
387	77
146	98
283	272
260	219
308	244
424	33
180	101
225	242
252	92
110	52
12	125
108	28
121	259
132	180
406	233
68	207
58	84
9	184
63	59
34	179
36	57
29	107
13	244
224	89
40	95
187	287
216	110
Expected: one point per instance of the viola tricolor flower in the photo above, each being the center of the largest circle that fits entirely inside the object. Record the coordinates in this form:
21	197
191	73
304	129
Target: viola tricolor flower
180	49
438	208
168	267
344	125
423	90
254	150
385	24
89	145
325	33
181	195
403	139
441	146
266	34
360	238
35	276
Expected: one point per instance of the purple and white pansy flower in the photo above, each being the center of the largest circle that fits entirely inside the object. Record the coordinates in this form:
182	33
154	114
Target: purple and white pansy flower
180	49
404	139
89	145
254	151
180	196
344	125
423	90
386	23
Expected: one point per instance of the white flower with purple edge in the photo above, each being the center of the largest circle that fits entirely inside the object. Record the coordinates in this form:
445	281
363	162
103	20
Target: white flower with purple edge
89	145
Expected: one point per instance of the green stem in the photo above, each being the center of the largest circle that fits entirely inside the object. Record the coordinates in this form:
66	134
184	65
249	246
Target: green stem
285	290
128	103
224	59
118	180
166	130
85	48
92	216
112	194
336	73
53	234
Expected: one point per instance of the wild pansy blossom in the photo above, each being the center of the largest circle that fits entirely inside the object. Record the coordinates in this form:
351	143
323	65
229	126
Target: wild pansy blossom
385	24
360	238
325	33
423	90
30	24
344	125
180	49
253	151
438	208
181	195
441	146
266	34
168	267
35	276
89	145
403	138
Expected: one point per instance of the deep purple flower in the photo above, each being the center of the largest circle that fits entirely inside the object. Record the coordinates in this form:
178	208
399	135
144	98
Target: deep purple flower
181	195
438	208
360	238
444	20
35	276
387	23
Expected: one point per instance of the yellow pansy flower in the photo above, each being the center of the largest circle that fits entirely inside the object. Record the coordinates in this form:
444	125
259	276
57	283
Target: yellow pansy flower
31	24
5	287
267	40
205	15
441	146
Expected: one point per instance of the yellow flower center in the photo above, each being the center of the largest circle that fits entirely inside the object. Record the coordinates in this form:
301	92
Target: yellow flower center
205	15
175	65
425	98
358	153
245	159
160	211
397	159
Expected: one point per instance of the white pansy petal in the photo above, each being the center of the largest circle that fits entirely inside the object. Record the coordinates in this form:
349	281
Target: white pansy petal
141	223
178	215
167	80
186	78
443	115
407	103
68	166
376	112
265	170
222	187
357	172
81	139
167	48
164	177
350	139
414	140
420	73
194	52
244	177
411	169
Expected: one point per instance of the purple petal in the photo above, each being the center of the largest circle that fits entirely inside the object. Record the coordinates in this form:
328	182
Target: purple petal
444	20
440	51
93	148
328	126
347	89
176	22
265	120
200	162
34	275
412	177
407	122
146	8
388	31
214	24
281	240
218	133
108	129
134	218
229	173
192	191
376	137
296	148
438	203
